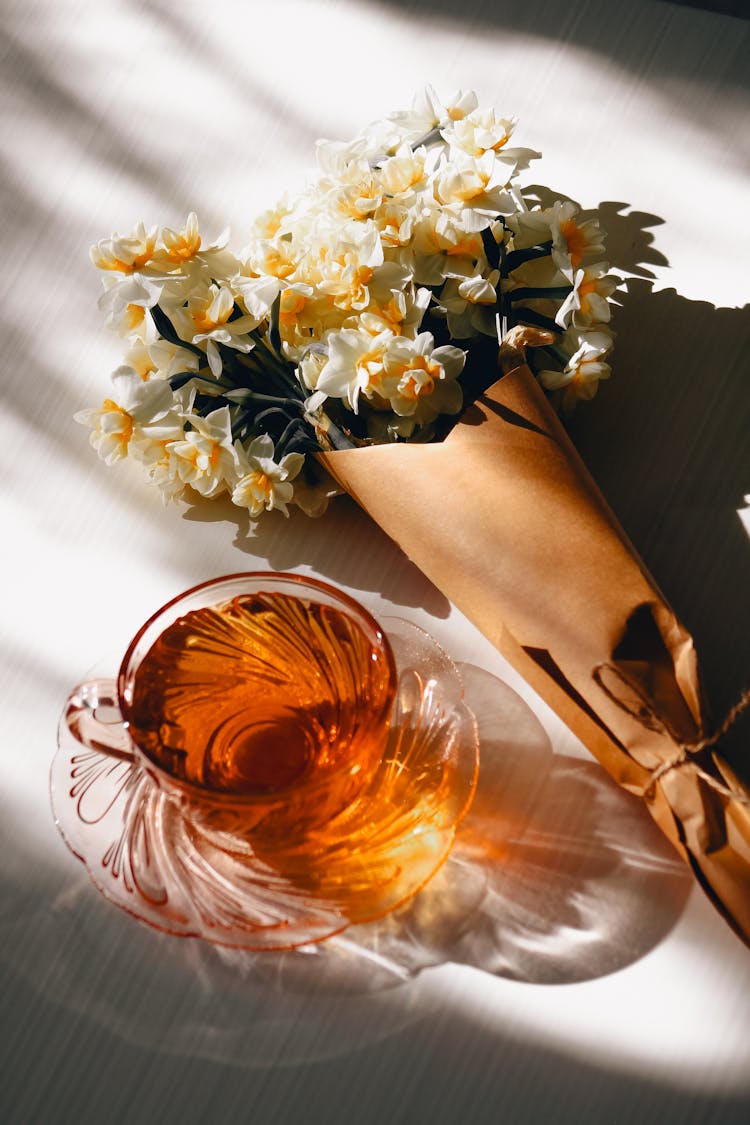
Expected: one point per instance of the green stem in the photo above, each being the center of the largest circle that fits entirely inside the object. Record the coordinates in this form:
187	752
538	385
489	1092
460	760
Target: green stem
530	293
183	377
529	316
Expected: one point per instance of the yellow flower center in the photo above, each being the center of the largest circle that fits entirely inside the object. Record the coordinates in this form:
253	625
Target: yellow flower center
576	241
412	386
390	232
205	322
277	263
134	317
585	290
184	248
261	481
471	185
110	262
359	199
125	431
291	306
391	314
370	369
469	246
352	292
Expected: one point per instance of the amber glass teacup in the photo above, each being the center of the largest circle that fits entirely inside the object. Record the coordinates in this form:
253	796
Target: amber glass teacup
260	702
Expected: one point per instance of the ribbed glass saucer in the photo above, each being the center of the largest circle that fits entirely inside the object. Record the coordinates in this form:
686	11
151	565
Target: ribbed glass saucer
144	854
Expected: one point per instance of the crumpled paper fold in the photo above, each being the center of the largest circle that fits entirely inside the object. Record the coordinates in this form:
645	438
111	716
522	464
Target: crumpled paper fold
504	518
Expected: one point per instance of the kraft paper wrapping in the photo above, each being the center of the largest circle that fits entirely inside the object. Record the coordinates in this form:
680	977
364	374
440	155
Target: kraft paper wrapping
504	518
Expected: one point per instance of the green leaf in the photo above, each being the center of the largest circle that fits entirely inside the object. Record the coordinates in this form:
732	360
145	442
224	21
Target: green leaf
517	258
274	333
491	248
166	329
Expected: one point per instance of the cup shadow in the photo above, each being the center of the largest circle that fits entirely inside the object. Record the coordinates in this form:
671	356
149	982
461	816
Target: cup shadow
556	874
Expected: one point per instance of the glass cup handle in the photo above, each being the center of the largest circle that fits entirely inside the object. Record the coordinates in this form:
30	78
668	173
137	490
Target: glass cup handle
93	717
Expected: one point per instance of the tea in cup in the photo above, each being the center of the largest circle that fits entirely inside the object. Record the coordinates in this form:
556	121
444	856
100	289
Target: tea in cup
260	702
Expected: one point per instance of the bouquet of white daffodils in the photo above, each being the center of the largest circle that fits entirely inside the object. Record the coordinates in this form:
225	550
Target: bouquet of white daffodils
364	310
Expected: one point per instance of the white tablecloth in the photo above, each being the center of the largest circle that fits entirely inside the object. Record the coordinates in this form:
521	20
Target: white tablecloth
616	993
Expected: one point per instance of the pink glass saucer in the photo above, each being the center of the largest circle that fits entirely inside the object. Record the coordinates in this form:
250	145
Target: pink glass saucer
147	857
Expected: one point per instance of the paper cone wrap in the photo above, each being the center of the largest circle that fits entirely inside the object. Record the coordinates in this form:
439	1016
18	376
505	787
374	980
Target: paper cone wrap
506	521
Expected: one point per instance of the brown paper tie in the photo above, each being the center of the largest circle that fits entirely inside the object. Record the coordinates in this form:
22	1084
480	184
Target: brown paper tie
686	751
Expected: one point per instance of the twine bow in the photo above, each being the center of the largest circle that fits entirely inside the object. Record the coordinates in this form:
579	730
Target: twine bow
686	751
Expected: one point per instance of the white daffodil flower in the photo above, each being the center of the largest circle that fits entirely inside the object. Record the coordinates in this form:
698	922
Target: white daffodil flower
258	294
357	196
310	366
207	320
264	484
134	407
478	132
421	379
345	270
574	240
395	220
447	243
182	253
585	368
589	299
181	246
335	158
133	278
428	112
126	299
355	366
401	314
470	305
159	359
480	290
126	254
477	182
204	458
404	171
275	257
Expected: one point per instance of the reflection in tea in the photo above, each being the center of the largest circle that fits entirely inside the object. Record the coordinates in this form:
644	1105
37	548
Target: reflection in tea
262	694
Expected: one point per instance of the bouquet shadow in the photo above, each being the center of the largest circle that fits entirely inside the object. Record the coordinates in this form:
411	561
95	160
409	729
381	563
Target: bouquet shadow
668	449
333	546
